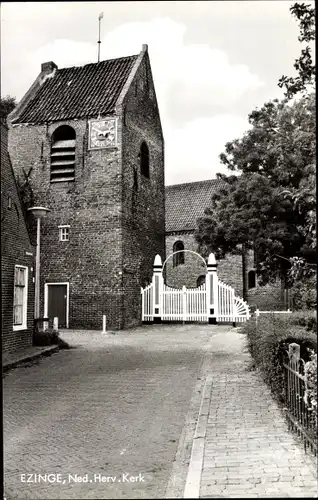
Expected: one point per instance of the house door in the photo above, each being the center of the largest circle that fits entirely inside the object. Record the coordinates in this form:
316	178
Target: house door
57	303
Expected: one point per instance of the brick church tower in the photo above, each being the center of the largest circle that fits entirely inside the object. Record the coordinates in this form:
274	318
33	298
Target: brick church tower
90	142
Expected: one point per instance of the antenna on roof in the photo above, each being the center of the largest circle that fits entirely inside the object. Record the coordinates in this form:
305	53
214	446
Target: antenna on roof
100	17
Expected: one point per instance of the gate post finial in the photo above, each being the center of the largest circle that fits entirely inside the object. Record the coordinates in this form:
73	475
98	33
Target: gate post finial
212	290
157	262
294	352
211	260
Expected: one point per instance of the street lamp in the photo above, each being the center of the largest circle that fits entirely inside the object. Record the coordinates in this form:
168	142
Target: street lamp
38	212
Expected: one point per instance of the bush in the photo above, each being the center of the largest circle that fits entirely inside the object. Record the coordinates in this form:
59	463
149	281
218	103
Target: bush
49	337
268	342
42	338
304	294
306	319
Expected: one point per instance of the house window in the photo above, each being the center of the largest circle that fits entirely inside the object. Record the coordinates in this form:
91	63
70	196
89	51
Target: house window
178	258
9	202
251	279
201	280
64	233
20	299
144	160
63	154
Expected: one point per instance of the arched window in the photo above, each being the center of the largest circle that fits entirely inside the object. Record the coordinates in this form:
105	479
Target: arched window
251	279
63	154
178	258
201	280
144	160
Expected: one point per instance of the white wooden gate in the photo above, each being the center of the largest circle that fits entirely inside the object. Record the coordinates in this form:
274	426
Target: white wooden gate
184	304
212	302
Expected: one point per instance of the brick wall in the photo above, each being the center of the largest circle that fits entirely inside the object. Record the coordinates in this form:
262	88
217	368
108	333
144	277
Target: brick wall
15	242
113	236
229	269
143	198
269	297
91	260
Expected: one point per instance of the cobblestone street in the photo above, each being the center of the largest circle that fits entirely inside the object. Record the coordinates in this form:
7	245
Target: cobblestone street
115	404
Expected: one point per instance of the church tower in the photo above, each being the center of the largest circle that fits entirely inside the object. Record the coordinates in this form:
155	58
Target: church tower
89	141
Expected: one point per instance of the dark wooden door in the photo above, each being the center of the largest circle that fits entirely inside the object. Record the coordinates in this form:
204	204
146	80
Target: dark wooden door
57	297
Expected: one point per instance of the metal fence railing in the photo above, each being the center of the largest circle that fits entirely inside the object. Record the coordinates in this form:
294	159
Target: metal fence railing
300	413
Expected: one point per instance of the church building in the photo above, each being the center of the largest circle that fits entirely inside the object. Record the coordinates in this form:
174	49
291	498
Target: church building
185	203
89	140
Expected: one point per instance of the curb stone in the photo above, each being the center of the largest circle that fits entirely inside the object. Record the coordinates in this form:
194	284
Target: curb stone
192	486
29	357
178	476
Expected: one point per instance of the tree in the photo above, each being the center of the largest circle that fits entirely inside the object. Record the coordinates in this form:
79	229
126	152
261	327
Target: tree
305	14
301	273
8	103
270	203
257	209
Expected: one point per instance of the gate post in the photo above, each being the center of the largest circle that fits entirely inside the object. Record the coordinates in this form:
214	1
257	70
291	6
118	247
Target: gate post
184	303
157	281
212	290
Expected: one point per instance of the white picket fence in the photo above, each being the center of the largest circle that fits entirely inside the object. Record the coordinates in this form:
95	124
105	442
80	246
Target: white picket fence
212	299
242	310
147	303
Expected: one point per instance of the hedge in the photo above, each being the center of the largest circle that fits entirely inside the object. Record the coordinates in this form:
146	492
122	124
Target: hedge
49	337
304	294
268	341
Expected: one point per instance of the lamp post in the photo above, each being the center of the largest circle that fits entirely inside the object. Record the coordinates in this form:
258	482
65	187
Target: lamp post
38	212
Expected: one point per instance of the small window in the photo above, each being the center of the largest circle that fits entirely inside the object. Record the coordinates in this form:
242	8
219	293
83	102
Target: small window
64	233
20	299
178	258
9	202
63	154
251	279
201	280
144	160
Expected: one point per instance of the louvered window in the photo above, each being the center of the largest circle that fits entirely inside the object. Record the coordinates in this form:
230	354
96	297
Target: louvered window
63	154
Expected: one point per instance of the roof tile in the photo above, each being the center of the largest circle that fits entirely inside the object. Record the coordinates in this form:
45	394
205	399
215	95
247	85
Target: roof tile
186	202
83	91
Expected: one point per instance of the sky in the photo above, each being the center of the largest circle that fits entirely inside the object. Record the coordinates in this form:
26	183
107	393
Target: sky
213	62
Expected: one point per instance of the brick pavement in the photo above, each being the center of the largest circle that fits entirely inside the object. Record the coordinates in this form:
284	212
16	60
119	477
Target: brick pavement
115	404
118	403
249	451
